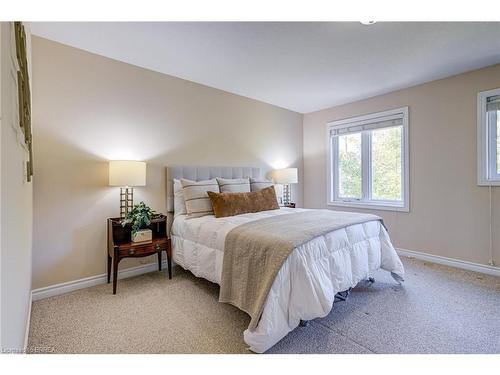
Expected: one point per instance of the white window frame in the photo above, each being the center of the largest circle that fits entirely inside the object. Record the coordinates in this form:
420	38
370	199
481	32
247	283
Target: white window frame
332	163
486	143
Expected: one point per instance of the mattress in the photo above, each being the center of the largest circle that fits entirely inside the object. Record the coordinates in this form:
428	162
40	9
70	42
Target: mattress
306	285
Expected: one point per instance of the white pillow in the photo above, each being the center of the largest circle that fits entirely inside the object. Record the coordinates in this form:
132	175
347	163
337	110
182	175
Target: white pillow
179	203
195	195
257	184
234	185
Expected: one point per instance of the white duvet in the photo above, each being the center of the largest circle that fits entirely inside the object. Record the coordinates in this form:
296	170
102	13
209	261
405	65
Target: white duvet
309	279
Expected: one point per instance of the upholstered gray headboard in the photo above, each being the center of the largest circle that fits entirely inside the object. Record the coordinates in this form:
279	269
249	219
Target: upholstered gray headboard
204	173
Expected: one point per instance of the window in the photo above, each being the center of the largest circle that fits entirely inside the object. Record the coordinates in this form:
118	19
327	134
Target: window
368	161
488	137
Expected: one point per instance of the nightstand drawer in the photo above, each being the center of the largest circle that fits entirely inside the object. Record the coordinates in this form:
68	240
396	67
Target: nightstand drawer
143	250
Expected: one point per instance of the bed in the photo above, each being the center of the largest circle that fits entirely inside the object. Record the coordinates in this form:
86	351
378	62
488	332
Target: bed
310	278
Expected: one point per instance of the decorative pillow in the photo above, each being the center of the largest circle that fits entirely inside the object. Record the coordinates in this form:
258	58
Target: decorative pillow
179	203
234	185
195	195
230	204
257	184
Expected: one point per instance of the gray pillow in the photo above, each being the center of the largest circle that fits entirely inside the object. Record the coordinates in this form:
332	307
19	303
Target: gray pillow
234	185
257	184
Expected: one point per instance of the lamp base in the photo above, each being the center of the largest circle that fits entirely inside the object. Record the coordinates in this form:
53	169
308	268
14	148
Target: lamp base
287	194
126	201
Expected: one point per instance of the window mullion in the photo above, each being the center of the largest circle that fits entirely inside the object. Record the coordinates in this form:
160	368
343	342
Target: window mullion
366	165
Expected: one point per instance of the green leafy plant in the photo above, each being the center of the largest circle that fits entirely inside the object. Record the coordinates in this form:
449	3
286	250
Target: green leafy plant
140	217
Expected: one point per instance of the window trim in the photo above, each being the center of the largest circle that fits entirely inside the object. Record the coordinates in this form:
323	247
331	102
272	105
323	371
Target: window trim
485	143
332	164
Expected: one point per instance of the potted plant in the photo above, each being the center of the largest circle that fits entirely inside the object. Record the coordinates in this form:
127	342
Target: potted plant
140	218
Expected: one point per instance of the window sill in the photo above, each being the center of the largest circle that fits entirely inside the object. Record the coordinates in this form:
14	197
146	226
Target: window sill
370	206
484	182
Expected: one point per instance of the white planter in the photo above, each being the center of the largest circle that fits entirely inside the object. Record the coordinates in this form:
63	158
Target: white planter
143	235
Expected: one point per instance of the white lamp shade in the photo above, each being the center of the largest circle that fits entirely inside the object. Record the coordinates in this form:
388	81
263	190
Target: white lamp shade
127	173
286	176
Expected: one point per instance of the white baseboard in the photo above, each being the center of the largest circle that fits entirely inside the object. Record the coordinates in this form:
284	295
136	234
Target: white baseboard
470	266
54	290
28	321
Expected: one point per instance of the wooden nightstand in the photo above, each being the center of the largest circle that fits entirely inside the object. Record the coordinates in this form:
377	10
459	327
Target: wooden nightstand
120	245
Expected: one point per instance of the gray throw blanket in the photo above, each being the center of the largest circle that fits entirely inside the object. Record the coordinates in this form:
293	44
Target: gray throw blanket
255	251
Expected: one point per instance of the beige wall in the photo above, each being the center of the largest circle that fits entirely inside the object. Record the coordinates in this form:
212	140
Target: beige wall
449	213
16	202
89	109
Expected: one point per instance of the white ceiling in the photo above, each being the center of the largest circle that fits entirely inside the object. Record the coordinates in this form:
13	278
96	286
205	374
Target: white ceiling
300	66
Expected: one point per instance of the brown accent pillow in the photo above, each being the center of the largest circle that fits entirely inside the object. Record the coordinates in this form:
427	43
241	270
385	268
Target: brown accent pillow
230	204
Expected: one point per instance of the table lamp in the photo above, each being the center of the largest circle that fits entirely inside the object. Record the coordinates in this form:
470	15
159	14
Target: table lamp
126	174
286	176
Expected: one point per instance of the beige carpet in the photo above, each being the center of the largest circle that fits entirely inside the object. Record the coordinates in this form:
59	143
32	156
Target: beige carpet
438	310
